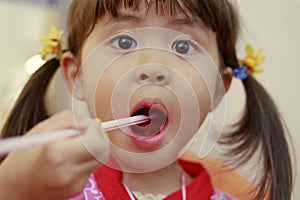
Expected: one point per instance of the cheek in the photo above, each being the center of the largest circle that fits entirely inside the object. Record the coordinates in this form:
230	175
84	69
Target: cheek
103	103
203	96
120	140
97	94
102	89
201	85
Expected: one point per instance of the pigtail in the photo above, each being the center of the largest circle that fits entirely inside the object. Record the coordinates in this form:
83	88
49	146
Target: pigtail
262	127
30	108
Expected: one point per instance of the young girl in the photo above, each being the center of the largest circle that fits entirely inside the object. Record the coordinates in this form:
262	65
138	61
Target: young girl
152	81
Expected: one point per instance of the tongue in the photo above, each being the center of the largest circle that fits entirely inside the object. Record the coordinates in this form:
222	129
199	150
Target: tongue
154	126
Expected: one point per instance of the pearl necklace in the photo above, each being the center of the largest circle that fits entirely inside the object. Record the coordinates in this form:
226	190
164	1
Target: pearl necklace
183	190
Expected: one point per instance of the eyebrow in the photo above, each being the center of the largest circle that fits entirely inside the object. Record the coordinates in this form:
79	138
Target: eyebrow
183	21
193	23
124	18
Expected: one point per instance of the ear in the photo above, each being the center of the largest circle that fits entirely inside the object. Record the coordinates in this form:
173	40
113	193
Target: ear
227	77
71	74
221	89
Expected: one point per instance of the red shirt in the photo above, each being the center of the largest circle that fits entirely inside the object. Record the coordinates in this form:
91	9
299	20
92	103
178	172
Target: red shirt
110	183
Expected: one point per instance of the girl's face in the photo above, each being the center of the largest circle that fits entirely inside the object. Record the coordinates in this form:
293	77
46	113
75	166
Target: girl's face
139	78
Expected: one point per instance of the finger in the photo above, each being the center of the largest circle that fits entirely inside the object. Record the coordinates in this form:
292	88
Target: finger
95	141
88	167
93	144
63	120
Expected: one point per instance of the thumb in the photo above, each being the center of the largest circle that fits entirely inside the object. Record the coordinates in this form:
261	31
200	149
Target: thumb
96	141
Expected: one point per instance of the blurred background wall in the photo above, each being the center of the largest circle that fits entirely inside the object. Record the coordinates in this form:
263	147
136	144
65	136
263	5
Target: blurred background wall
272	25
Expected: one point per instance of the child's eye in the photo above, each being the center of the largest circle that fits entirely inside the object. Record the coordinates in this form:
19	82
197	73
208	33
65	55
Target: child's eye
185	47
123	42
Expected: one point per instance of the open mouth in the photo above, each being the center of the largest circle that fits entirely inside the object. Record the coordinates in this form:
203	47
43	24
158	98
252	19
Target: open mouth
159	120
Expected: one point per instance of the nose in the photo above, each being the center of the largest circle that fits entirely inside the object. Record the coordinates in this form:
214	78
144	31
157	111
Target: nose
152	74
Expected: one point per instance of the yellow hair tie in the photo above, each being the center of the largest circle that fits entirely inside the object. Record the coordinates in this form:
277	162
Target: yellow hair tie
53	44
253	60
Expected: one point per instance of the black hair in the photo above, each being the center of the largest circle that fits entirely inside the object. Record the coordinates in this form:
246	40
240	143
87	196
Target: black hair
30	108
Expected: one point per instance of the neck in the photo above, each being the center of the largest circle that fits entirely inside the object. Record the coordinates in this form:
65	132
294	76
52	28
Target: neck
163	181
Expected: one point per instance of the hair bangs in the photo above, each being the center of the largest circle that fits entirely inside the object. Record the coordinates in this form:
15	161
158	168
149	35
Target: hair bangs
162	7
